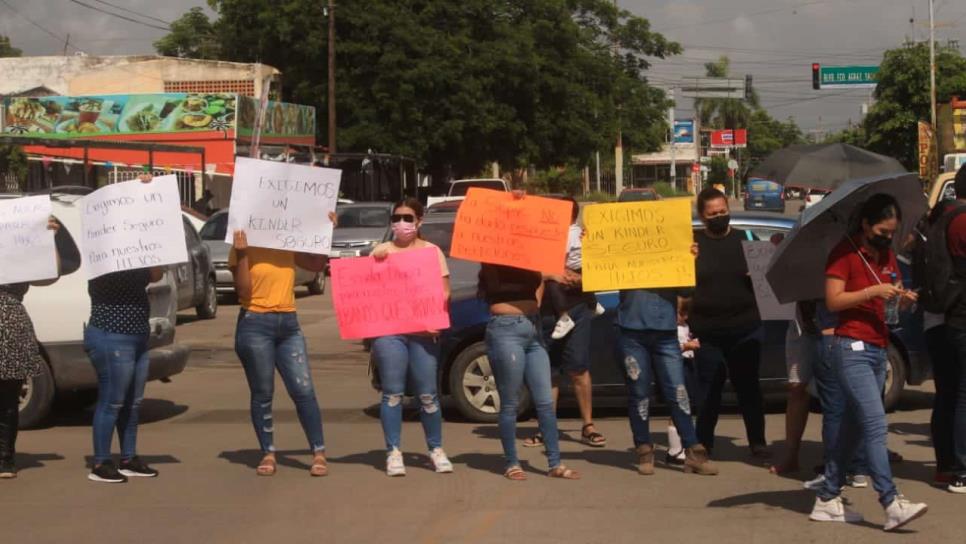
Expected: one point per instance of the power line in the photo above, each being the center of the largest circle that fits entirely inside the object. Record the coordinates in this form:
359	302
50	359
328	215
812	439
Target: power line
119	16
50	33
115	6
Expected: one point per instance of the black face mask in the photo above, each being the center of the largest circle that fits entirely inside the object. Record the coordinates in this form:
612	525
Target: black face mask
718	224
880	242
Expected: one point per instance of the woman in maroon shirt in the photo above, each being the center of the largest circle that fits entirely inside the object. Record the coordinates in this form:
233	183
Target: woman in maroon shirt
861	277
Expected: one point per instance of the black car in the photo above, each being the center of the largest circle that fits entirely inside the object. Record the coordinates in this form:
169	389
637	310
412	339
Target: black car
466	375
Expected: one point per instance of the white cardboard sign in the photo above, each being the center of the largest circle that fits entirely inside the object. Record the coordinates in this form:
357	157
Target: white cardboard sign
132	225
283	206
757	255
27	250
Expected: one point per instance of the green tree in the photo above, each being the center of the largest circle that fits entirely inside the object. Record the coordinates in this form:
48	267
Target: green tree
7	49
902	98
192	36
459	84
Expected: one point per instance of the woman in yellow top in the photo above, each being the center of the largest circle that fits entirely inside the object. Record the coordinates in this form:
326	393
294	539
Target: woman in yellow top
410	355
268	336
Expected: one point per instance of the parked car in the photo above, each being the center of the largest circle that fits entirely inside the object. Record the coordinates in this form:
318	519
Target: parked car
213	236
638	194
814	196
764	195
59	312
362	226
195	279
459	187
466	375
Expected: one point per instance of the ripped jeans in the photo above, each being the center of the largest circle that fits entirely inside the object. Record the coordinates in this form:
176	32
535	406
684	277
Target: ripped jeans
398	357
264	342
654	355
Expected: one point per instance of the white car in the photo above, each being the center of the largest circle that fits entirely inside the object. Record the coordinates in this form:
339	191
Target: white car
59	313
814	196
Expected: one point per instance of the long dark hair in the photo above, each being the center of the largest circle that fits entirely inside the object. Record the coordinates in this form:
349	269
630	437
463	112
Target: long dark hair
878	208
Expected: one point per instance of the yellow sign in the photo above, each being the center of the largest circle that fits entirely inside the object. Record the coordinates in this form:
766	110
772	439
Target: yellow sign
638	245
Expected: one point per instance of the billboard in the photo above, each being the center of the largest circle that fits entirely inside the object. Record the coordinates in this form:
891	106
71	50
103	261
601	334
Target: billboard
684	131
928	159
729	138
84	116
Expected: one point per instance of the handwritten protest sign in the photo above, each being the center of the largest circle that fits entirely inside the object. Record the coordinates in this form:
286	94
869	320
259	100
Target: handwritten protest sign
132	225
638	245
401	294
27	251
529	233
757	255
283	206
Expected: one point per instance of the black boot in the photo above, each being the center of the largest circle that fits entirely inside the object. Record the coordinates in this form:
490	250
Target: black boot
9	420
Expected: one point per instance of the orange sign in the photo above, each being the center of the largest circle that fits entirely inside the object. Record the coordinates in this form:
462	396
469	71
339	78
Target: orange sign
928	159
495	227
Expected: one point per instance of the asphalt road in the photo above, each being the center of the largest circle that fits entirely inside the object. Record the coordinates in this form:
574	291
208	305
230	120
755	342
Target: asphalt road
196	430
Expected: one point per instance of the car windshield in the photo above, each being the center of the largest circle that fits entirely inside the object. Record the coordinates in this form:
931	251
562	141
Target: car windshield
440	234
636	196
949	192
460	189
216	228
763	187
363	217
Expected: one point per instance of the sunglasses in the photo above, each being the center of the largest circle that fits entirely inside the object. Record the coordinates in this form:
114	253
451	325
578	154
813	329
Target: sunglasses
407	217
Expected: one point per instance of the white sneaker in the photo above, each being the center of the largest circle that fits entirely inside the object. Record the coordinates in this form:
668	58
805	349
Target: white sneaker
901	512
563	327
440	461
394	463
599	310
815	484
833	510
859	481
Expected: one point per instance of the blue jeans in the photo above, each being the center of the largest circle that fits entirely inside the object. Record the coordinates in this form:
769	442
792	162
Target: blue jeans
397	358
835	418
654	355
862	375
121	363
513	344
264	342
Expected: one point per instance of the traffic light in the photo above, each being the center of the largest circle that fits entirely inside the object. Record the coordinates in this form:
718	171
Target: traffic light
816	76
748	87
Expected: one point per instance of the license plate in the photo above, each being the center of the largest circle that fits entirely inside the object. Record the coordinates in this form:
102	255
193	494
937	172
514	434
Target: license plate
758	204
348	254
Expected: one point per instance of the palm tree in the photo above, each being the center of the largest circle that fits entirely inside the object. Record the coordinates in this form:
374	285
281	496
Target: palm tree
724	112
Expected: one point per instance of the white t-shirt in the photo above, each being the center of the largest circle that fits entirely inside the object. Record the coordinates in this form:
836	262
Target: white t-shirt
574	253
684	335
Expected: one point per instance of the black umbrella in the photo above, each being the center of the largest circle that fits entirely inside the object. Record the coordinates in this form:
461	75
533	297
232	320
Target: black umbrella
824	166
797	269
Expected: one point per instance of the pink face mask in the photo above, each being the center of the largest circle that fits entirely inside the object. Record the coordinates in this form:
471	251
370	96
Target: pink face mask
404	232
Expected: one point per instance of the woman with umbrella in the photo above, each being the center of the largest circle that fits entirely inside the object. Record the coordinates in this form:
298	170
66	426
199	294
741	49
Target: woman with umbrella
860	283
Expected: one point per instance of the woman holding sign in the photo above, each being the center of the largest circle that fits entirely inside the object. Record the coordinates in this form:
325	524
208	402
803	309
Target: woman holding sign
410	356
19	361
268	336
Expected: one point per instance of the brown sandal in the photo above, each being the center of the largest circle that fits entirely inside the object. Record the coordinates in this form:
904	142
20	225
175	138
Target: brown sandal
593	439
267	466
515	473
563	472
319	466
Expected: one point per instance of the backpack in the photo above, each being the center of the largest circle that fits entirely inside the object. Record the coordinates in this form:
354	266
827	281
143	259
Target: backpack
933	267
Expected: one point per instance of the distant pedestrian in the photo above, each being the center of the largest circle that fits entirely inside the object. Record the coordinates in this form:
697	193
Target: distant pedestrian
514	343
724	315
20	360
410	358
862	276
268	337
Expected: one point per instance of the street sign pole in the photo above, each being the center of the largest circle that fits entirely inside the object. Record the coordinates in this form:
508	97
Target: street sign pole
673	138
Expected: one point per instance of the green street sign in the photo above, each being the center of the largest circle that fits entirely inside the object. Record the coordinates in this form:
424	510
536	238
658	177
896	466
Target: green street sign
847	77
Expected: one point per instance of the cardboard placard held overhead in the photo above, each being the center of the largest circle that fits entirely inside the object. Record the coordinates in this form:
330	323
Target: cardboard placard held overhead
27	250
638	245
400	294
496	227
132	225
757	255
283	206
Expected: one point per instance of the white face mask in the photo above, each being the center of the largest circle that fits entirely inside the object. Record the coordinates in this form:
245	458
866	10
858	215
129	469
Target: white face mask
404	232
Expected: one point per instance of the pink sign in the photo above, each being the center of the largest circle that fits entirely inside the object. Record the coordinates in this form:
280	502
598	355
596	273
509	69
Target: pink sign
401	294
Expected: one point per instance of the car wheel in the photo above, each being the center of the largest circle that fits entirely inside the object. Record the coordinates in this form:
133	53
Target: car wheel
36	398
317	286
208	308
895	380
473	386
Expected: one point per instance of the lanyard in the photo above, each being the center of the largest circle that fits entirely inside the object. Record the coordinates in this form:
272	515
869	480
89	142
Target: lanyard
867	265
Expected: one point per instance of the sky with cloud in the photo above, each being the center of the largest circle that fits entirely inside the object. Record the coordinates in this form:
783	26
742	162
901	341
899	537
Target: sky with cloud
773	40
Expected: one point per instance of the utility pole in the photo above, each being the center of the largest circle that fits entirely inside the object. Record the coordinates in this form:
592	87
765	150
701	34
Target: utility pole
670	116
619	146
932	67
66	44
331	85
